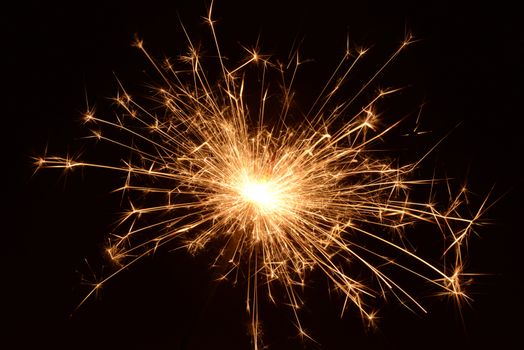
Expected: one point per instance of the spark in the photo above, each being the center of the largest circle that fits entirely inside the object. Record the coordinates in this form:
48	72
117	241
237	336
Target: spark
280	198
261	194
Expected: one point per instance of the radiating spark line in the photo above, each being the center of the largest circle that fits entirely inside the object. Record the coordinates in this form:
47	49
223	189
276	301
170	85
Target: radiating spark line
281	200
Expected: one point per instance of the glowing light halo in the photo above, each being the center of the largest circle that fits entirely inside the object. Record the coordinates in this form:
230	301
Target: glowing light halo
261	193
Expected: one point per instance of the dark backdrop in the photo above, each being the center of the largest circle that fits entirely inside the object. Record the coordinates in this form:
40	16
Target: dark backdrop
466	67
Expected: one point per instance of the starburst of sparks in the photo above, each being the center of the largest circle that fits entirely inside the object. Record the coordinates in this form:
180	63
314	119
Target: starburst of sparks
280	199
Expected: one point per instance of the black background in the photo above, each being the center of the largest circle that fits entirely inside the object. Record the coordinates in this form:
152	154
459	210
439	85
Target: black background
466	67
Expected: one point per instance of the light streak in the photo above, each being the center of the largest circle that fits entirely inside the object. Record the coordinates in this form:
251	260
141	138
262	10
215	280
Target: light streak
279	198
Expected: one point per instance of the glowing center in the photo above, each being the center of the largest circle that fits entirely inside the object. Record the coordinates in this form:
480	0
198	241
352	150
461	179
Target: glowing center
260	193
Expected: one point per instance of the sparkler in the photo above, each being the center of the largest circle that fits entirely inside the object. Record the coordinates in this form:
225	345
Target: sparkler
279	198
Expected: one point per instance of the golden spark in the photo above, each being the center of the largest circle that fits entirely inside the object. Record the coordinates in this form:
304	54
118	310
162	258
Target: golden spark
280	198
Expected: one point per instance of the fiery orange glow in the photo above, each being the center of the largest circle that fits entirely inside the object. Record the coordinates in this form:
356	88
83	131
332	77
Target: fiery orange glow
282	198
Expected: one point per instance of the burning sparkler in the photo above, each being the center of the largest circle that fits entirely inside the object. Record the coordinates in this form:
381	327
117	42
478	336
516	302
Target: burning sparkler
280	199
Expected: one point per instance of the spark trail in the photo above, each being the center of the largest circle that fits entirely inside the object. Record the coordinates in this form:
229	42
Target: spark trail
277	200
